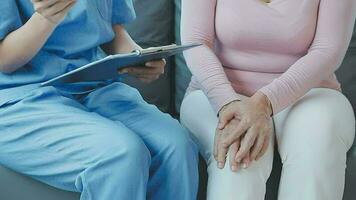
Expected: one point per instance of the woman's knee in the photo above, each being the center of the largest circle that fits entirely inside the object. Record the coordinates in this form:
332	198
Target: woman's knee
196	109
321	126
198	117
244	184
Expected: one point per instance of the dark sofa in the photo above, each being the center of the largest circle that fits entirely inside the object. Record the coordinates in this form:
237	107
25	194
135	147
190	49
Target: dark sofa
158	24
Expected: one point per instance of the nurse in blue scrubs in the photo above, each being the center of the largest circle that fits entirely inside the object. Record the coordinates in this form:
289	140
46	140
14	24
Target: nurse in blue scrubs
99	138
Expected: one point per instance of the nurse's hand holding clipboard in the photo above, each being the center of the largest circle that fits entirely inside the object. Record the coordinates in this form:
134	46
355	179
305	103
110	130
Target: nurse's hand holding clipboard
53	10
123	43
151	72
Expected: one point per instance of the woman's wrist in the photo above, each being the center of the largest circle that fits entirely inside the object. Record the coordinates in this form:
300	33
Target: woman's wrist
263	102
226	105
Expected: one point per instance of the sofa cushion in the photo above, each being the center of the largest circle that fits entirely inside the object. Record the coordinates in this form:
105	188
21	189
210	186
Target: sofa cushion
14	186
153	27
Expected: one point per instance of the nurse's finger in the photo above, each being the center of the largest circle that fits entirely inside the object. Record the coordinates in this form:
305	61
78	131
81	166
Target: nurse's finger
40	5
143	71
144	80
64	10
57	8
156	63
61	15
146	76
149	77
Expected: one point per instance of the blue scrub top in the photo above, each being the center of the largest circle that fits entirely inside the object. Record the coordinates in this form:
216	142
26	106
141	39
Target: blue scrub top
74	43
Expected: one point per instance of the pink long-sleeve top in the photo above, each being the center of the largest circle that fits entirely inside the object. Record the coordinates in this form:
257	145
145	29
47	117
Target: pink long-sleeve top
282	49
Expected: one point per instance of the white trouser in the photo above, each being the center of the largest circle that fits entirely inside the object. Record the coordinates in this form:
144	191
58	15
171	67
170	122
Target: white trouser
313	137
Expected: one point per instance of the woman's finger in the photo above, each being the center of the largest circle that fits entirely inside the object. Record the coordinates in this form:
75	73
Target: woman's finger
223	144
264	148
246	161
231	127
237	131
222	149
246	144
216	138
232	153
224	117
257	147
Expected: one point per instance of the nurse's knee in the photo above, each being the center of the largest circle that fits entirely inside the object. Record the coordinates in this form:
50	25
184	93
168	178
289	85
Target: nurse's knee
136	153
178	144
128	151
113	158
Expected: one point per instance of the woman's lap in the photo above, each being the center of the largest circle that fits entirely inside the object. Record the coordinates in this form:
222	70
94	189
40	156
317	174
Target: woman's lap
320	107
322	116
200	119
313	138
322	121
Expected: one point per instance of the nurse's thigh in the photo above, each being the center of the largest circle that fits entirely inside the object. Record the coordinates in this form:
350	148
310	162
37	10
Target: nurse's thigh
124	104
55	140
200	119
174	154
314	136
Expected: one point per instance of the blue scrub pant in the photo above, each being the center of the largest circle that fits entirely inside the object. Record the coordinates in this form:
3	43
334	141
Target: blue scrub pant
107	145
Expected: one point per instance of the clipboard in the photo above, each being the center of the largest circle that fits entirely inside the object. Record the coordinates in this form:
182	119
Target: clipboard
107	68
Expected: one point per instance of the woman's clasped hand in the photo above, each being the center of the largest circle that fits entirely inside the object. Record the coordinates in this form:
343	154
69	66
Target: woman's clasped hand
244	131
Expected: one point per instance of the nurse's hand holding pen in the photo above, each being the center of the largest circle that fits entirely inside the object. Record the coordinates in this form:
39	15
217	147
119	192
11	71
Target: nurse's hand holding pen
33	34
53	10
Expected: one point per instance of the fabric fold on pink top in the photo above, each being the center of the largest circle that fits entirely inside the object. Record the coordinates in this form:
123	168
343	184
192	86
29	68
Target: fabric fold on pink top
282	49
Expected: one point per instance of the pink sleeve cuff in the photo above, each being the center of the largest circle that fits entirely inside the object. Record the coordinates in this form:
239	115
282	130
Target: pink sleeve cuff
273	98
219	97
